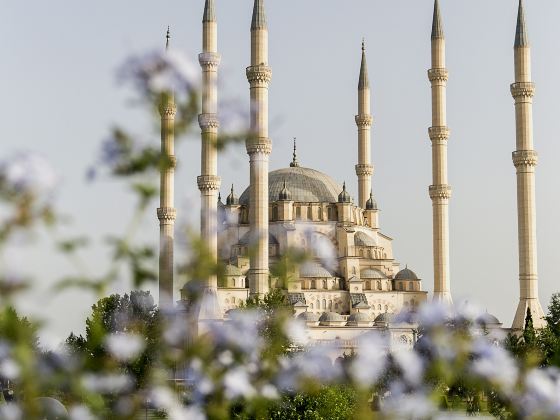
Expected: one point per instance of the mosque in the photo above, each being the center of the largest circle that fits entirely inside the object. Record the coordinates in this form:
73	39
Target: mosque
351	282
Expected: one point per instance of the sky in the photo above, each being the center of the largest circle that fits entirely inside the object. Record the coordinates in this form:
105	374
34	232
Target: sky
59	96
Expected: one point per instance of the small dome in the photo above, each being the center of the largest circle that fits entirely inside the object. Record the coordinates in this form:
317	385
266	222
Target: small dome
285	194
363	239
232	270
406	274
246	239
309	316
359	317
311	269
372	274
371	204
327	317
384	318
232	199
344	196
490	319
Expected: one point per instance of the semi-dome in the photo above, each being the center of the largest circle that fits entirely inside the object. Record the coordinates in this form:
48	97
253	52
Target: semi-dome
384	318
306	185
328	317
359	317
372	274
308	316
233	270
363	239
311	269
406	274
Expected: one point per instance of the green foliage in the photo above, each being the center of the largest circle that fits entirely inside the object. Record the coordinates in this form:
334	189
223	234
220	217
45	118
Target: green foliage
334	402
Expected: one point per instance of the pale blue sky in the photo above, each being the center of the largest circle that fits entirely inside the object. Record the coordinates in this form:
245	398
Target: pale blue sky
59	97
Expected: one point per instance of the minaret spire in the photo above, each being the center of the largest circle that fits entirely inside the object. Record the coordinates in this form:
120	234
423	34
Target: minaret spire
209	12
166	212
294	163
209	181
521	37
259	147
440	191
364	121
525	161
167	38
437	26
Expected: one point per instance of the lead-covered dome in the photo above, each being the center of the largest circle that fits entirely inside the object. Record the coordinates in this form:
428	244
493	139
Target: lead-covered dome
406	274
305	184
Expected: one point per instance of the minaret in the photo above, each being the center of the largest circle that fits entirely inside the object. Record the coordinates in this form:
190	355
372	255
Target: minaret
259	147
440	191
364	120
166	212
525	161
208	181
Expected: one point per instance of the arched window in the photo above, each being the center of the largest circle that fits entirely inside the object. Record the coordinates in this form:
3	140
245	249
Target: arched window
313	284
324	304
386	308
367	285
311	306
298	212
336	306
410	286
330	305
320	213
309	213
318	304
379	307
379	287
325	284
330	213
274	213
401	286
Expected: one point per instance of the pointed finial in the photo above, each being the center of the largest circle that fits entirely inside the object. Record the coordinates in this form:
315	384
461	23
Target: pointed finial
232	188
259	16
521	37
219	196
167	37
364	78
209	12
437	26
294	163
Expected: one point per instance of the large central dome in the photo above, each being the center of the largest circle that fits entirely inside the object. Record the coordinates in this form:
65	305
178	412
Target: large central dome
306	185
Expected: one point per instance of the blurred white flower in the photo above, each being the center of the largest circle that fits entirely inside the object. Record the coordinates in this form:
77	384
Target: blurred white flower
297	332
434	314
270	392
107	384
28	173
409	406
494	364
542	394
9	369
160	71
226	358
80	412
125	346
10	411
371	359
240	332
410	364
237	383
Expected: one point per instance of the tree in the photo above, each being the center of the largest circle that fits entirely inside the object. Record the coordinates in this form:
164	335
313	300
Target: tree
529	334
134	314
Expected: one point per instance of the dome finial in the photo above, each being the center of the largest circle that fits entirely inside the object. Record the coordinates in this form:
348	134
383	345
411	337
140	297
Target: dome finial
344	197
363	44
167	37
295	162
371	204
232	199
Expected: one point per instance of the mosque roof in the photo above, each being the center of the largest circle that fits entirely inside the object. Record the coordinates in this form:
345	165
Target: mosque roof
372	273
305	184
309	316
385	317
331	317
363	239
359	317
